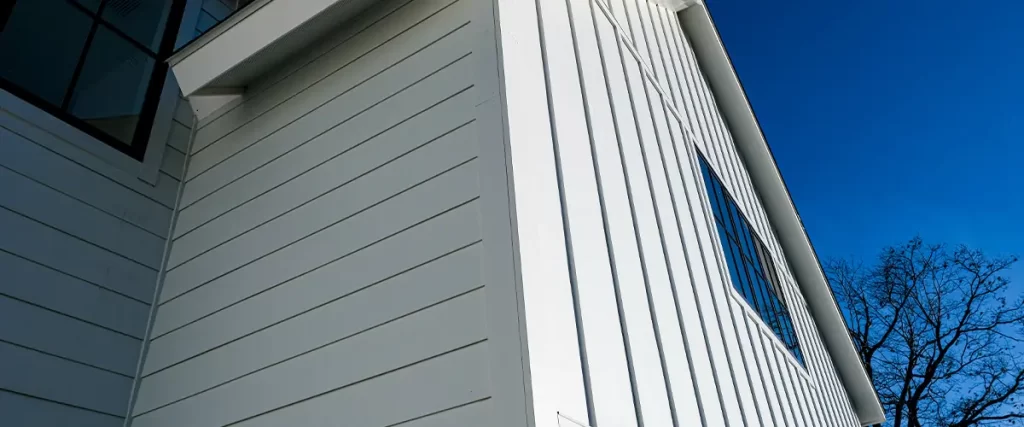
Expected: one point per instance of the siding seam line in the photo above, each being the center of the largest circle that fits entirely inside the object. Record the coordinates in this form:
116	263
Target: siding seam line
317	197
353	87
361	289
636	233
570	260
361	211
62	314
95	245
309	351
65	358
63	273
448	409
75	162
332	127
664	104
238	205
396	369
668	263
612	264
119	218
700	310
269	86
57	402
160	279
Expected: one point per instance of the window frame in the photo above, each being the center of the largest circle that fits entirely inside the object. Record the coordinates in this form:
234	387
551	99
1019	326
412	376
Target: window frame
749	262
136	148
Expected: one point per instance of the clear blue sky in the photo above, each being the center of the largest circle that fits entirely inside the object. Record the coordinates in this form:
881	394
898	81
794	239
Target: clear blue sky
890	118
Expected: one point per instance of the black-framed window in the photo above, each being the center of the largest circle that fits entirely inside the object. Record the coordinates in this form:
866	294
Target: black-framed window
97	64
753	272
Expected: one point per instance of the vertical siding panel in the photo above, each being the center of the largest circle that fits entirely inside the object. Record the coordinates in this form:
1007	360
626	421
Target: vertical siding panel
719	146
695	80
634	181
813	401
618	9
656	64
755	378
746	187
607	357
636	247
840	407
706	285
669	179
812	353
556	372
653	184
637	27
657	22
736	314
778	380
797	386
684	251
670	25
786	380
629	137
843	400
721	294
712	148
767	379
684	75
649	226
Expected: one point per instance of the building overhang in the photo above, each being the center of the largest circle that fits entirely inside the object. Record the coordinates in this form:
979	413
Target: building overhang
262	35
732	100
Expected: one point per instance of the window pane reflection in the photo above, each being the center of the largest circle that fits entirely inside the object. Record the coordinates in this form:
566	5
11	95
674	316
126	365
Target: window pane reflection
112	86
141	20
40	46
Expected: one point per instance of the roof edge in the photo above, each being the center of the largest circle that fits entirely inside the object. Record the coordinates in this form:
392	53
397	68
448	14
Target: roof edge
750	140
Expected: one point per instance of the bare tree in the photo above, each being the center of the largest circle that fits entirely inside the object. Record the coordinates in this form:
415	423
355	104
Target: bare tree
936	333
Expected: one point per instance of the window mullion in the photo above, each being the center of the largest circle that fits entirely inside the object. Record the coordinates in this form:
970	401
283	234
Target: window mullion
66	102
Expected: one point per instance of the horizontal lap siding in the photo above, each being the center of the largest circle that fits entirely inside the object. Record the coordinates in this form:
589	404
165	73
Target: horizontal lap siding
665	338
326	266
83	239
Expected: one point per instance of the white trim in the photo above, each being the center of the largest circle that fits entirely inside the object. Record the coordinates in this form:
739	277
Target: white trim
81	147
255	39
778	204
678	5
160	132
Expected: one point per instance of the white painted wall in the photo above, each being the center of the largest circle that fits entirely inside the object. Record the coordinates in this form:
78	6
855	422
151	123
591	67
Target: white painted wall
621	264
331	260
450	212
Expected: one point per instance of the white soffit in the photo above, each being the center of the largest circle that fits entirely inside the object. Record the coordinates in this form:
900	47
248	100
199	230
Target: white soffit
254	40
677	5
750	141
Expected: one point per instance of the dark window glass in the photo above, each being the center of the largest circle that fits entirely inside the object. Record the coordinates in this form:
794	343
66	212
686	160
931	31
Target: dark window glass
112	85
98	64
40	46
142	20
92	5
752	270
205	22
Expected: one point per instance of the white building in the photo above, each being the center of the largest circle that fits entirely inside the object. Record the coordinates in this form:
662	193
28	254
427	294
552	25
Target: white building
400	212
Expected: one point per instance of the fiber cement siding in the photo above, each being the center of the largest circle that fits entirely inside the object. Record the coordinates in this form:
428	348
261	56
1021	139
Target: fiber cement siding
661	335
328	257
82	240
